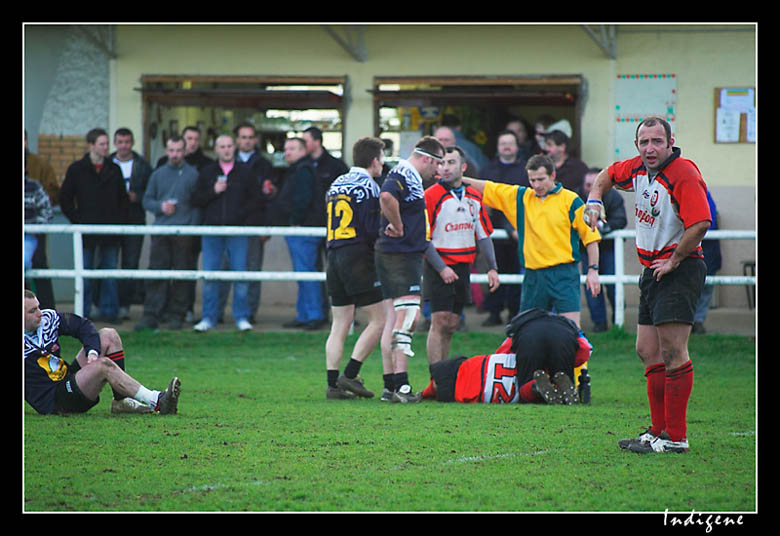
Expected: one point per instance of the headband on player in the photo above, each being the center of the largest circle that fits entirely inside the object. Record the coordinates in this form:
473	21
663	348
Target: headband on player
426	153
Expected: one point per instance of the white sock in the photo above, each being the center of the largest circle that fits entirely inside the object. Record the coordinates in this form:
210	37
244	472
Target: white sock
147	396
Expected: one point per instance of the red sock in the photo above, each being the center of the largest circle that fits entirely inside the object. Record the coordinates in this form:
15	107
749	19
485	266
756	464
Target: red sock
656	384
430	391
118	358
526	394
679	384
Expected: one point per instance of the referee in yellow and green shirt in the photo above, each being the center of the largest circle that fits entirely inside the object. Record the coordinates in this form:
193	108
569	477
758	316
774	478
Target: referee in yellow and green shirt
549	224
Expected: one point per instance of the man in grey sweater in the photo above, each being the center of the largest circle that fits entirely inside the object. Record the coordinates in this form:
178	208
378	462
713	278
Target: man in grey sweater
168	198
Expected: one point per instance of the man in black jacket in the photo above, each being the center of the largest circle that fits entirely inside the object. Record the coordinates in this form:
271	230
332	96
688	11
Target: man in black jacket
248	152
616	220
193	153
327	166
94	192
135	171
301	202
508	168
228	194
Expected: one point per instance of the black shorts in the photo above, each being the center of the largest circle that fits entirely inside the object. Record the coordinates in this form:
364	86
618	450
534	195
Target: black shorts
548	343
445	374
68	398
351	276
674	297
446	297
400	273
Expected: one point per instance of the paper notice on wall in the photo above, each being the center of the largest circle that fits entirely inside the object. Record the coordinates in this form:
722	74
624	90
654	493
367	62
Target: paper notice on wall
751	125
638	96
727	125
740	100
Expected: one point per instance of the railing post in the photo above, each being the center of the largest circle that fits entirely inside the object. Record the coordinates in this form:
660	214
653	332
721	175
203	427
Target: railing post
78	268
620	271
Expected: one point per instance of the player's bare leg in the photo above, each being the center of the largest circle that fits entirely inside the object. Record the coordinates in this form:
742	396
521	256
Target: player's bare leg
339	328
407	311
444	324
386	348
367	341
94	375
574	316
372	333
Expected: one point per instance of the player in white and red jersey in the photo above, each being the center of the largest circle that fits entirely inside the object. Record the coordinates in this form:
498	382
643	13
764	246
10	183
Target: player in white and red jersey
671	217
535	364
460	227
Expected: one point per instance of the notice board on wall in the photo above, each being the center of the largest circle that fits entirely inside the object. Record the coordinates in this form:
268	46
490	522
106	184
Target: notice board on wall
735	115
638	96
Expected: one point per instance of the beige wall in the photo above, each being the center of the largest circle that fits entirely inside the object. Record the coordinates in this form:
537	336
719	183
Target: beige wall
702	60
702	57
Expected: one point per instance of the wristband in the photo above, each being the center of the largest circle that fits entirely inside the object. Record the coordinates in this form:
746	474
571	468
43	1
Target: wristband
593	206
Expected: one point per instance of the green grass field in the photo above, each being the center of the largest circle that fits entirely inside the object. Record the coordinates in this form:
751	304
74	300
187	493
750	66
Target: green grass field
254	432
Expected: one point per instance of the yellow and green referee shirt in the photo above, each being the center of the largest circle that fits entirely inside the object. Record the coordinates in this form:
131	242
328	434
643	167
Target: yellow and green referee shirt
549	229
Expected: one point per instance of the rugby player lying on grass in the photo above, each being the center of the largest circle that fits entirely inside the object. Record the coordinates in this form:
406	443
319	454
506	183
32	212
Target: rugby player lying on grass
535	364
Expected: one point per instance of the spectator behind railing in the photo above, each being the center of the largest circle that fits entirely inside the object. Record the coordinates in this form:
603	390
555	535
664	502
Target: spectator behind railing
168	198
94	192
228	194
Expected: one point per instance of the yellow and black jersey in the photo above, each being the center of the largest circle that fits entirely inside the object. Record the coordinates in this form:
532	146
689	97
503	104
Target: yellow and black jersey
43	366
352	207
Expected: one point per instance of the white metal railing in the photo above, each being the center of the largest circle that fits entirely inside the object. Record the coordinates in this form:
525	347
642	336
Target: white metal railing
78	273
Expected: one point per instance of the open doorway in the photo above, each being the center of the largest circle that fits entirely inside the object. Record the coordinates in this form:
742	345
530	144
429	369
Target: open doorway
278	107
407	107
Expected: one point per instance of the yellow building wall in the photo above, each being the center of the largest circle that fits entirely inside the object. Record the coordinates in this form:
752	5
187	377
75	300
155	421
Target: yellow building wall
701	58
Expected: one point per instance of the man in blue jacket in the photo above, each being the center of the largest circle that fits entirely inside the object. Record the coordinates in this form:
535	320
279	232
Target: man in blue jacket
301	202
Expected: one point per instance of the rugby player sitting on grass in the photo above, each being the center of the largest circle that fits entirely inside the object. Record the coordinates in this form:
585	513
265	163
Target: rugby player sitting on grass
53	386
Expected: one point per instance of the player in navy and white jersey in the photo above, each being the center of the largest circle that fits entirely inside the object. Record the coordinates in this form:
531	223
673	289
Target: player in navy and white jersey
51	385
403	237
352	206
460	226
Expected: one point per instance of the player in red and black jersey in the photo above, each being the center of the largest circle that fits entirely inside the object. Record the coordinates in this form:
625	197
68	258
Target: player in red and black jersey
535	364
460	227
672	216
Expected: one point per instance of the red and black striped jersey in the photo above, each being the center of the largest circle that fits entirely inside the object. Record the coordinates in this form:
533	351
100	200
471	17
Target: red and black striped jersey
665	205
457	222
